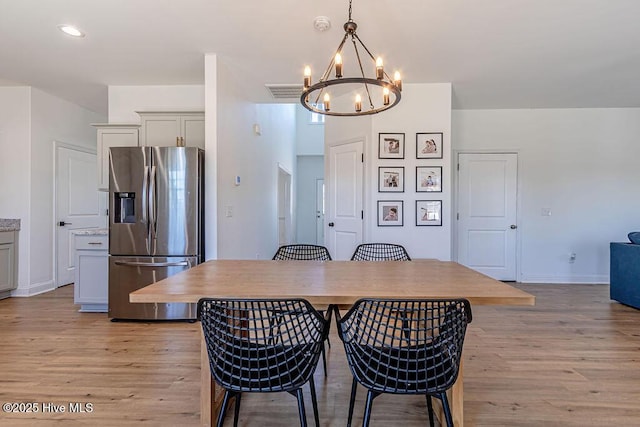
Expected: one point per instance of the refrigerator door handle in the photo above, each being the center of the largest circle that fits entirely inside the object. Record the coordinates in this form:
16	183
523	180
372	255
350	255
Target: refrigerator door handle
154	264
145	207
153	210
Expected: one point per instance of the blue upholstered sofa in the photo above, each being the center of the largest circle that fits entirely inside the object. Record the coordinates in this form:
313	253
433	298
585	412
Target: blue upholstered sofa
625	273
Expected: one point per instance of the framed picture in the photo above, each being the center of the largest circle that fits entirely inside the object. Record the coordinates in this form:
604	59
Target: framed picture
391	179
429	179
391	145
429	145
428	212
390	213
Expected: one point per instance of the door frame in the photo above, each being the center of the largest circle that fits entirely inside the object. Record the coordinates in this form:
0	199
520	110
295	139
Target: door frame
56	145
456	195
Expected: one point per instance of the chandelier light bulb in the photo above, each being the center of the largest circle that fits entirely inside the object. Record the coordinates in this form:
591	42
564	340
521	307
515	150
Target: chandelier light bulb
307	77
397	80
379	69
358	103
338	62
385	96
326	102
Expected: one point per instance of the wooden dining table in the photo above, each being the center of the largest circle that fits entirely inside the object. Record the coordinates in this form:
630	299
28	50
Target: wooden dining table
324	283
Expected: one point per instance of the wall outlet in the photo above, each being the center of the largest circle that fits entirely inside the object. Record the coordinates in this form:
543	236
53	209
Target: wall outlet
572	257
228	212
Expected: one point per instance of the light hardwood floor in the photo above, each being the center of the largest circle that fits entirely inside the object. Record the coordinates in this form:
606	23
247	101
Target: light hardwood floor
572	360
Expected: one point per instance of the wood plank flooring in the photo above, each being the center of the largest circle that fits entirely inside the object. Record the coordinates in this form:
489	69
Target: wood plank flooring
571	360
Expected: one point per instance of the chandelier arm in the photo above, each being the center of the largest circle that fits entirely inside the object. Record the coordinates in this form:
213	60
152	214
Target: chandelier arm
371	55
366	87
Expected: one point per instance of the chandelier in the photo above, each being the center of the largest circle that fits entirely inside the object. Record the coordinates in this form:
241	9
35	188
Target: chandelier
381	92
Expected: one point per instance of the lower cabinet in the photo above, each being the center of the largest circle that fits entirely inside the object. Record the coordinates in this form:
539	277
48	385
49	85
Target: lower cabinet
8	262
91	288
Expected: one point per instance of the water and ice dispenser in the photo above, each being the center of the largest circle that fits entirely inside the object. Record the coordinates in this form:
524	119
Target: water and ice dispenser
124	208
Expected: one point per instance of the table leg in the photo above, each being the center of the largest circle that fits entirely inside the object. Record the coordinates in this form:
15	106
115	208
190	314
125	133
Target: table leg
210	395
456	402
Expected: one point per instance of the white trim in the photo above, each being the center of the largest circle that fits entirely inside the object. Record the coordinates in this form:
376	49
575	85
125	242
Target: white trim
594	279
36	289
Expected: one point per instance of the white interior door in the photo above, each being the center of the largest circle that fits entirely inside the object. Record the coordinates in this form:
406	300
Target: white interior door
487	213
78	204
344	199
320	212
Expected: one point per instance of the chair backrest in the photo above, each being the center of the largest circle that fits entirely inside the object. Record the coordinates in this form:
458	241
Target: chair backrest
262	345
405	346
302	252
380	252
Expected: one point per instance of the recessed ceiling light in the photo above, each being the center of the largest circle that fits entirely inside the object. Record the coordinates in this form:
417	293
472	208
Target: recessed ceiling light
71	30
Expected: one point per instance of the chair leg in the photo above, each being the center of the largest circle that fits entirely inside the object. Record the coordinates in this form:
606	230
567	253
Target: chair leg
314	401
303	415
430	409
367	409
223	408
324	360
236	410
447	410
352	401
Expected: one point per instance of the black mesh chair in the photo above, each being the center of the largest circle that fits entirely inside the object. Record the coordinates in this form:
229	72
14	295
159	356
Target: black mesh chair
306	252
380	252
404	347
302	252
248	352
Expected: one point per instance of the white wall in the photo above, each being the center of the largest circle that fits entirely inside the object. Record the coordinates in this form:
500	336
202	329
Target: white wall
52	119
124	101
251	231
309	136
580	163
30	122
15	167
423	108
309	169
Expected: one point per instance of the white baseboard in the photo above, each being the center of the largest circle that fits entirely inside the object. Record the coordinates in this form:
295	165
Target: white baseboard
596	279
35	289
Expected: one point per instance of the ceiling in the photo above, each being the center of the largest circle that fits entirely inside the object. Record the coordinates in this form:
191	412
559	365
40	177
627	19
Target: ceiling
496	53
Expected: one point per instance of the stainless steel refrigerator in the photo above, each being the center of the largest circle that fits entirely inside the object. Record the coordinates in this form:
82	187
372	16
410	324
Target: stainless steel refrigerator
156	226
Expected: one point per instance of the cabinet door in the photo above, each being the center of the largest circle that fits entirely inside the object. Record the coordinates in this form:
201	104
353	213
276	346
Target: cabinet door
160	130
192	128
6	267
112	137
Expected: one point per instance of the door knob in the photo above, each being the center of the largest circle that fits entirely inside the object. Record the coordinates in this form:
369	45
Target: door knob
513	226
331	224
62	223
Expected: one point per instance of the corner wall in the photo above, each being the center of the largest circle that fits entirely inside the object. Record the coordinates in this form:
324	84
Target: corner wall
246	213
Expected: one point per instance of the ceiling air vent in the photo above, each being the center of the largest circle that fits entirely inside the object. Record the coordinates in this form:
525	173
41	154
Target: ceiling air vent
285	91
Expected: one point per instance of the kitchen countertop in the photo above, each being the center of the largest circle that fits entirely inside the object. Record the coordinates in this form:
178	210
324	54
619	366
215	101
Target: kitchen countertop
92	232
9	224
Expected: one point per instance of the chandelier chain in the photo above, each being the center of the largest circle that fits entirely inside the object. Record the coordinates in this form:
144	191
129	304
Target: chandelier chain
350	10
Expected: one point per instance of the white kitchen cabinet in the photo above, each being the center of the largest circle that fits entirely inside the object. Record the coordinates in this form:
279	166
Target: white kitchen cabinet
170	129
8	262
91	287
112	135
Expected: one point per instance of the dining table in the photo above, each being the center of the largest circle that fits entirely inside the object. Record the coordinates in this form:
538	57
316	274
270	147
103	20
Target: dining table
323	283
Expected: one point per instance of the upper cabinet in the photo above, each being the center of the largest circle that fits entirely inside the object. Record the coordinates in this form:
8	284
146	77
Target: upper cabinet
112	135
170	129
